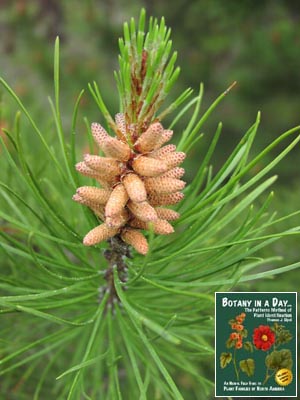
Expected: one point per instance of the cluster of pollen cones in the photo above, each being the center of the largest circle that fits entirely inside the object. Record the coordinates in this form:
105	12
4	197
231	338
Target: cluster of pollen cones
137	182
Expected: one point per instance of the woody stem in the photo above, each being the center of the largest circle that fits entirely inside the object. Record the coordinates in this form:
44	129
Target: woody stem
115	255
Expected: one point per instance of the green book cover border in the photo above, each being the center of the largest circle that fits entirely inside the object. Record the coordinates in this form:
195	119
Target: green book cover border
253	348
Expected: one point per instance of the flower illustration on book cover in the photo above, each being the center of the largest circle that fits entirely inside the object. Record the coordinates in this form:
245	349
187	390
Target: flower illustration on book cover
265	338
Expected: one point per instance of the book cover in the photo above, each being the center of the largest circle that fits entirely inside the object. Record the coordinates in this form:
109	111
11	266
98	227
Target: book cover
256	344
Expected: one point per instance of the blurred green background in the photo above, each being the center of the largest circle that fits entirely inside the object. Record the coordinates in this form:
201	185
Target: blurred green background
256	43
218	42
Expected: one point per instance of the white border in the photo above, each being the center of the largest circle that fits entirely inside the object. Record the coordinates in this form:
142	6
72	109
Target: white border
296	360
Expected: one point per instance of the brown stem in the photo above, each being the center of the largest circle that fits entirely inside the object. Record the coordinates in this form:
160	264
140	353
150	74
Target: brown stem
115	255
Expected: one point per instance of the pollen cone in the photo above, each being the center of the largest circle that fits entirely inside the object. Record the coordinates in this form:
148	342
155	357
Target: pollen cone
99	133
136	239
142	210
175	173
117	201
84	169
138	174
117	220
148	140
112	147
105	180
166	213
163	185
102	165
94	194
98	234
147	166
156	199
135	188
169	148
97	208
174	159
165	137
121	124
160	226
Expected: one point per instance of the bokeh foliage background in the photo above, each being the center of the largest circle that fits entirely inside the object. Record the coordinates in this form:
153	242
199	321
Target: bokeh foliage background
218	42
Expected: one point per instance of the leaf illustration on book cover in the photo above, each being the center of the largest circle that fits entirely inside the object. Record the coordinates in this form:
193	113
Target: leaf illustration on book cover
230	343
225	359
279	359
248	346
283	337
248	366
